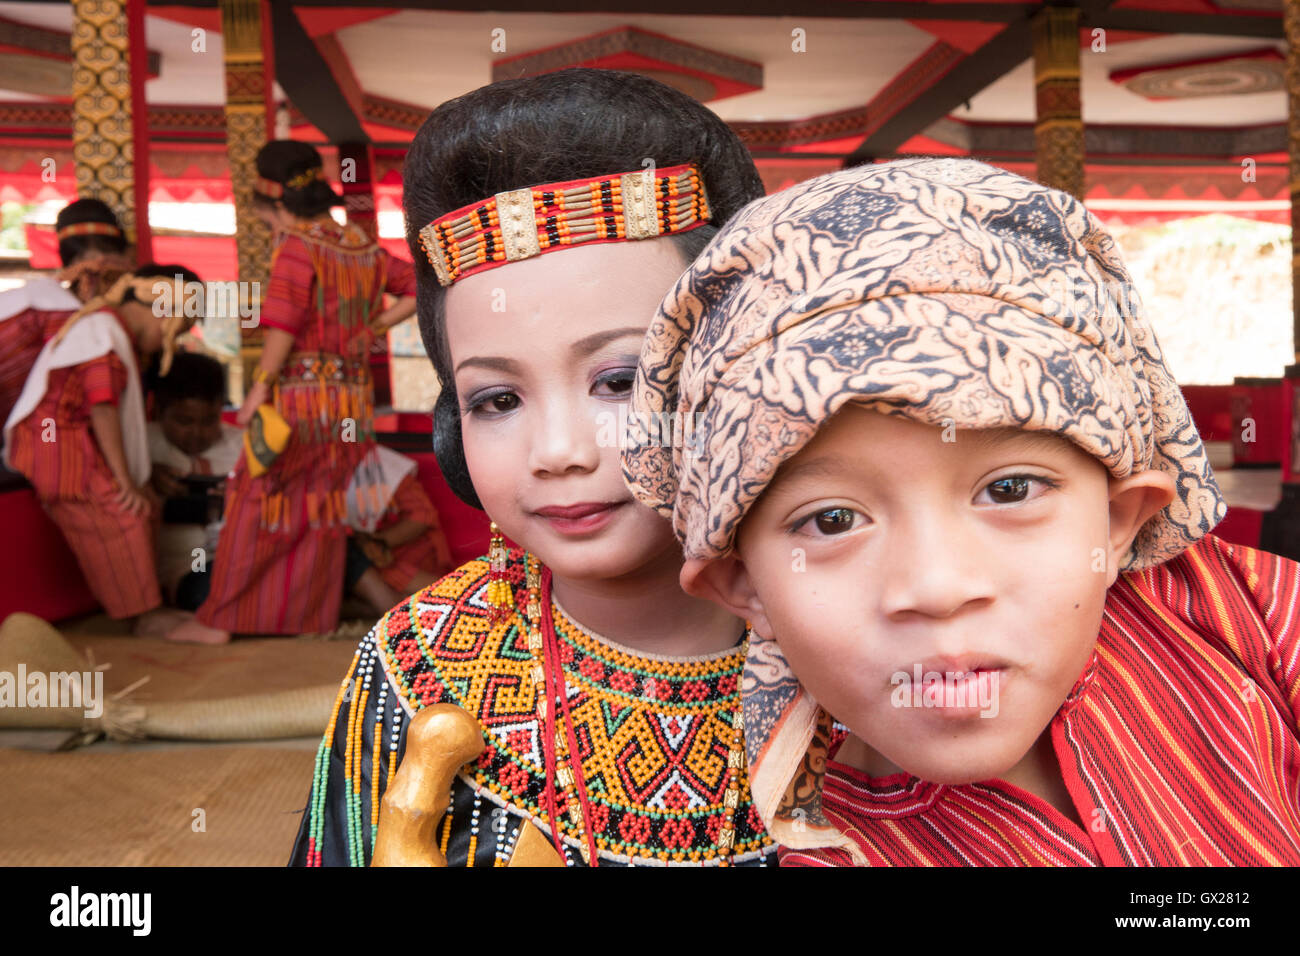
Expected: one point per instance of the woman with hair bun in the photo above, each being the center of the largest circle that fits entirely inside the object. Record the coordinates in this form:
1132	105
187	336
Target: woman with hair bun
280	560
548	217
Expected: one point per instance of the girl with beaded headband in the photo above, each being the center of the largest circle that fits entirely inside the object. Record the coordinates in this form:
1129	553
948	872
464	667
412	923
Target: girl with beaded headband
282	548
77	432
549	215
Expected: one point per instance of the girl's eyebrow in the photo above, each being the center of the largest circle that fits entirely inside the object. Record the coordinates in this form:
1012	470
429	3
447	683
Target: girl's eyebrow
494	362
589	344
584	346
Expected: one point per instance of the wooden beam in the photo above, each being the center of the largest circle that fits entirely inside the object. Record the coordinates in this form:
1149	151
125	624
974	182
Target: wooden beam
1148	21
306	78
994	60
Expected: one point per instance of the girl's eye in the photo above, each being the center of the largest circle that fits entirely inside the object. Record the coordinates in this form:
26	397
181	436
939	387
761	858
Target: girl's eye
831	521
494	404
617	383
1015	489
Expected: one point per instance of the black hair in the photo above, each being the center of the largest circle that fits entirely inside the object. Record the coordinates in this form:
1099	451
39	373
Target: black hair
570	124
75	248
280	161
192	375
158	270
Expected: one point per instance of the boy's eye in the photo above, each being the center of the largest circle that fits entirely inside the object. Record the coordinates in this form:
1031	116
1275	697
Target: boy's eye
1014	489
831	521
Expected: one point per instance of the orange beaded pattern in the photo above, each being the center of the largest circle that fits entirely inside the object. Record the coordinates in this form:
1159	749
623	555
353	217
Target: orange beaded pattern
527	222
88	229
661	739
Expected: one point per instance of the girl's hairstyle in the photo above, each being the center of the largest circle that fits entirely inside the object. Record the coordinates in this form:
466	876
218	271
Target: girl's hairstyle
571	124
193	375
74	248
290	164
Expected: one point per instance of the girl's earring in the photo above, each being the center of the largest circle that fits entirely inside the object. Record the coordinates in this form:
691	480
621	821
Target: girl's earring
499	596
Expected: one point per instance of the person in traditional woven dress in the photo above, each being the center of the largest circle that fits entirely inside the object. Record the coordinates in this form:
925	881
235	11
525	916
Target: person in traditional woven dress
92	247
946	474
279	562
399	549
549	215
77	433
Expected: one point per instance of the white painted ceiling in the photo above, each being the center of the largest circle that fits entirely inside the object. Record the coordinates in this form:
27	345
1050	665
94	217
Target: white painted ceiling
426	57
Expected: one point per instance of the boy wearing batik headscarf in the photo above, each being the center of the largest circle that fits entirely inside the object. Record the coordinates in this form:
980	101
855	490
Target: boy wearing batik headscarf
941	467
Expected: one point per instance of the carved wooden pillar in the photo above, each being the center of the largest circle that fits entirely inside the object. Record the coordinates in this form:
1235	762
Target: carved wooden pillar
110	136
245	28
1058	127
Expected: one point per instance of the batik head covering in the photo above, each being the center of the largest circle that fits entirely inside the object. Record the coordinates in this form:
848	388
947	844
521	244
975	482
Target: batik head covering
942	290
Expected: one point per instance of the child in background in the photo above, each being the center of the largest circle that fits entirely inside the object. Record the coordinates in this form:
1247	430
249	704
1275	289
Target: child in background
400	548
189	439
947	477
77	432
93	248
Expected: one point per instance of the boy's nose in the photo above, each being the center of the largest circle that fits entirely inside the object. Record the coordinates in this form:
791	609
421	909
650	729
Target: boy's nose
934	567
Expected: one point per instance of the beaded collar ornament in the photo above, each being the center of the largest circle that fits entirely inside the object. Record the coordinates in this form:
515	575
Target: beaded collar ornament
523	223
563	763
89	229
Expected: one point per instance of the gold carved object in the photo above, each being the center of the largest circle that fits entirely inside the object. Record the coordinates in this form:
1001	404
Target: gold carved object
440	740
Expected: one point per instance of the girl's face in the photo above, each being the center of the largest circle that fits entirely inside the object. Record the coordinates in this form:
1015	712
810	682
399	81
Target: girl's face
544	352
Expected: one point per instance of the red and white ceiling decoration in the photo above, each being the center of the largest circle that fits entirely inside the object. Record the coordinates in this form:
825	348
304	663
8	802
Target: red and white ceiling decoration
801	107
1259	71
698	71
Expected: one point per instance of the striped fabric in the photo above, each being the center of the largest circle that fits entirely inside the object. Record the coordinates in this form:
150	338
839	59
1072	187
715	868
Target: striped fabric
21	339
427	554
279	562
1179	744
55	448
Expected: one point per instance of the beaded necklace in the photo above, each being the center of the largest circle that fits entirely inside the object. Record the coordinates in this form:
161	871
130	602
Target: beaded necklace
563	765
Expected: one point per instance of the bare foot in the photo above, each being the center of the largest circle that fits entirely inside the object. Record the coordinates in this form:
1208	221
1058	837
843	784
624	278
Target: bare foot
194	632
159	621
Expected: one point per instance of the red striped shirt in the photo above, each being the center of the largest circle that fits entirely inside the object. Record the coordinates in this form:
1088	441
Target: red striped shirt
22	337
55	446
1180	744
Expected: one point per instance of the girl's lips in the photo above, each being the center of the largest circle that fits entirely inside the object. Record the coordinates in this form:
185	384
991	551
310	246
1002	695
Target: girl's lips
581	518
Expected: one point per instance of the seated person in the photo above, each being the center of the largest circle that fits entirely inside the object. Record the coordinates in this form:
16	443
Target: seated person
940	465
397	546
191	449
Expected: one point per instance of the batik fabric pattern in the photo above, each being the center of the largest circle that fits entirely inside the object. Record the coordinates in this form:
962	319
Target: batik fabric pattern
941	290
653	734
1179	744
281	554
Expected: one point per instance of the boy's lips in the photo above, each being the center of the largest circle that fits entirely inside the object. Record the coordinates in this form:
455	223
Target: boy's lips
959	663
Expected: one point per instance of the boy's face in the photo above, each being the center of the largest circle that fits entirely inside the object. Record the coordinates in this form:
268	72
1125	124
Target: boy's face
883	558
544	353
192	424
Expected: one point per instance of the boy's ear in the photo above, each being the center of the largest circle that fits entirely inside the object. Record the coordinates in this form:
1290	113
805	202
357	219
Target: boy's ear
726	582
1133	502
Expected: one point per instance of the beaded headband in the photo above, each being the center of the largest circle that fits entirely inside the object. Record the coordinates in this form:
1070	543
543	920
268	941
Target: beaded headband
274	190
523	223
89	229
